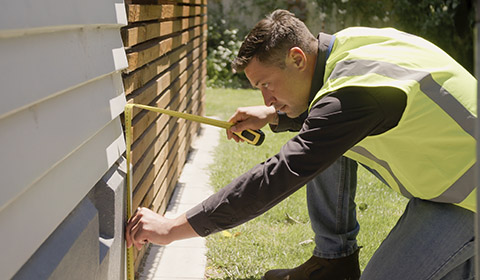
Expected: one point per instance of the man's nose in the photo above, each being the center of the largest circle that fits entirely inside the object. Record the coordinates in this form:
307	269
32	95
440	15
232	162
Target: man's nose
267	98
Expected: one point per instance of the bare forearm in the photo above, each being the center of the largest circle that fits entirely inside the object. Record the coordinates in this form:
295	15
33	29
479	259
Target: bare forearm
181	229
147	226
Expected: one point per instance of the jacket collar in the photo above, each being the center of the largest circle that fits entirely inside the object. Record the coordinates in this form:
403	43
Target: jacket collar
325	43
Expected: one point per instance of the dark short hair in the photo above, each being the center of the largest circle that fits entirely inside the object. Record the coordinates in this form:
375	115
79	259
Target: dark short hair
271	39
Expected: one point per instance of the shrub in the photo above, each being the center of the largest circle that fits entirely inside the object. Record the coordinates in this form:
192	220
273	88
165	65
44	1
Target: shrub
223	46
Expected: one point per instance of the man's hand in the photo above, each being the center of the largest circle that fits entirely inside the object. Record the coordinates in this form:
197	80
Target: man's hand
147	226
254	117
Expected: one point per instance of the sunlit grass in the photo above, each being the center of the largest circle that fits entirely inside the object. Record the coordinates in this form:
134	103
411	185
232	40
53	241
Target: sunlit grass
282	237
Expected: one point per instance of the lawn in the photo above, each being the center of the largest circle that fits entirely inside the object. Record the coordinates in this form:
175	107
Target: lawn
282	237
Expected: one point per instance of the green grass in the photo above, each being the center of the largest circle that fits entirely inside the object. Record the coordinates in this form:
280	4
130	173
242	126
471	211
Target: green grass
282	237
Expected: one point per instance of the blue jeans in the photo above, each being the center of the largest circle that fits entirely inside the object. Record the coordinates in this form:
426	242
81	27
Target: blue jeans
331	207
430	240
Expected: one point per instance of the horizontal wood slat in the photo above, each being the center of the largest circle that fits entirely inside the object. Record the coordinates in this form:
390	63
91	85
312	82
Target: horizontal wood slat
153	90
166	46
141	32
154	49
152	2
139	78
137	13
152	148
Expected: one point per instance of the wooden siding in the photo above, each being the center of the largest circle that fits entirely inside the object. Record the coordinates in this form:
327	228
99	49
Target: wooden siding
165	42
62	97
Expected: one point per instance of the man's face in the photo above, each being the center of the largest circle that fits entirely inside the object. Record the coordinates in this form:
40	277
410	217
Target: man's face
285	89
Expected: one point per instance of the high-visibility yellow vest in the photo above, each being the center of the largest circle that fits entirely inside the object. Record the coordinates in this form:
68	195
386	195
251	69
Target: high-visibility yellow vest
430	154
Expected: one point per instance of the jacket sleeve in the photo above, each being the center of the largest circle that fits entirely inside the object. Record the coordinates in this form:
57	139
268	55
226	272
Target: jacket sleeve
288	124
335	124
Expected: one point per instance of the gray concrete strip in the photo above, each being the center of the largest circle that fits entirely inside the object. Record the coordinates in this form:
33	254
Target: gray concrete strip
185	259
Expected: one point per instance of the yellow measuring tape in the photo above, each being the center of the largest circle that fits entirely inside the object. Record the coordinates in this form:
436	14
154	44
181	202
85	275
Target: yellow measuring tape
128	140
254	137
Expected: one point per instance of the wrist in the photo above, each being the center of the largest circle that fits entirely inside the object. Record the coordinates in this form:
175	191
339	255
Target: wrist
181	228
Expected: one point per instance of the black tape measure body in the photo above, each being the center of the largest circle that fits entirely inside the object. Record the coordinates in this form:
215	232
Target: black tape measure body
254	137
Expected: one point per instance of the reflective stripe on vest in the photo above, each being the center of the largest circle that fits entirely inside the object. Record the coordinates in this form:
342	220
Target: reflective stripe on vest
457	193
427	85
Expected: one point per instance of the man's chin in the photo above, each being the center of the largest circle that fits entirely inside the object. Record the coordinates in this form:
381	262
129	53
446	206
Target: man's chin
286	110
291	115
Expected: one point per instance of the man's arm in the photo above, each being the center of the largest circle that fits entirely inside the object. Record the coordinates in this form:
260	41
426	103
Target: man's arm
334	125
147	226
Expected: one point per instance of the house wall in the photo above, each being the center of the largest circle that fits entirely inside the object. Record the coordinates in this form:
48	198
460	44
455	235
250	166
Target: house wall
68	69
165	42
61	139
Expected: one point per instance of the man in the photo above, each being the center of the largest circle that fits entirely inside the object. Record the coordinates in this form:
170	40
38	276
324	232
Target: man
391	101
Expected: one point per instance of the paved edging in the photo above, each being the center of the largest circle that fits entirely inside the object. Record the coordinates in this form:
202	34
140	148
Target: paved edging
185	259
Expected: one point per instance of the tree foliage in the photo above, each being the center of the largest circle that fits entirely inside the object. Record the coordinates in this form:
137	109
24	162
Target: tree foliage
447	23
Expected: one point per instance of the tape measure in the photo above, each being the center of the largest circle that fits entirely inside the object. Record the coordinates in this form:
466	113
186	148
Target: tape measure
128	140
254	137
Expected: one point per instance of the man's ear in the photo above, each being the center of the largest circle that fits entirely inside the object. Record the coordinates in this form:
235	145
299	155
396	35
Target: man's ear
297	57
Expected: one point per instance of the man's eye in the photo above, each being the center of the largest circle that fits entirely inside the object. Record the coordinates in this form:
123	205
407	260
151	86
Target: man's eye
265	85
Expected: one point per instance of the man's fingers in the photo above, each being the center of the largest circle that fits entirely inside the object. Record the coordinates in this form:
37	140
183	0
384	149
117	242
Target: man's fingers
135	233
133	215
238	116
231	135
133	221
139	238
